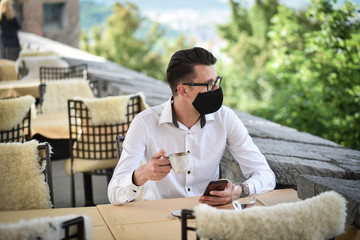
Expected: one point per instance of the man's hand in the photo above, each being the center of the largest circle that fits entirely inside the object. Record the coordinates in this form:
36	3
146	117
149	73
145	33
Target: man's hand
219	197
156	168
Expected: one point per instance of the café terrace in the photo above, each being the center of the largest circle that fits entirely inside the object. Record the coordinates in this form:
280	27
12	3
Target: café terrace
314	176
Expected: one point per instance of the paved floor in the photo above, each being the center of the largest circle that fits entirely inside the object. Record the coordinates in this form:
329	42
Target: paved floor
61	186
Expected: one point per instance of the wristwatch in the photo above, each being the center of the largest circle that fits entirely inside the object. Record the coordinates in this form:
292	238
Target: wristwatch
244	190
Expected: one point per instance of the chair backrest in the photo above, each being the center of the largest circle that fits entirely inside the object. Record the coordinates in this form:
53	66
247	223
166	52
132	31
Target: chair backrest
75	223
62	227
319	217
54	74
119	141
48	74
97	141
28	187
20	132
44	154
185	215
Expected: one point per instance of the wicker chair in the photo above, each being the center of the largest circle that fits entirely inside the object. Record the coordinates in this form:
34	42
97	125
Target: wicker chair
94	144
50	74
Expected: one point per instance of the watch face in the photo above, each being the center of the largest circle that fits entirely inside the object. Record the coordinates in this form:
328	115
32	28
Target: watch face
246	191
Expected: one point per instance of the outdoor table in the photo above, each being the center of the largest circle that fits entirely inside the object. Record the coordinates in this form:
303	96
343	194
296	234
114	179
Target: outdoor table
150	219
54	129
19	88
153	219
51	125
99	227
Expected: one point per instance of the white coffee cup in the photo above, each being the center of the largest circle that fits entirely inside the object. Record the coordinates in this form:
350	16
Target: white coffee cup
180	162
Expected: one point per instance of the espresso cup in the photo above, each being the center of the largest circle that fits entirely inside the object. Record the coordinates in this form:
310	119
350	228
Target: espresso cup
180	162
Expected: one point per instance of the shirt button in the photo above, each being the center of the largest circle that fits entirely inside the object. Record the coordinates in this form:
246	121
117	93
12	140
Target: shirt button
188	172
188	189
188	151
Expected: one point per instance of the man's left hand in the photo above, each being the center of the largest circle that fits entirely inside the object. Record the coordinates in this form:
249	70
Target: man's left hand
219	197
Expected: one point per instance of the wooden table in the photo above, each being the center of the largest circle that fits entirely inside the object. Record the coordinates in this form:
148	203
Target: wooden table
19	88
99	227
149	219
153	219
51	125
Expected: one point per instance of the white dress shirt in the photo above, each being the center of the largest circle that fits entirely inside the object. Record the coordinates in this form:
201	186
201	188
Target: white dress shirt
154	129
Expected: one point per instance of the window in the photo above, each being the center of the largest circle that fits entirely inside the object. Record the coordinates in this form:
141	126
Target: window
53	16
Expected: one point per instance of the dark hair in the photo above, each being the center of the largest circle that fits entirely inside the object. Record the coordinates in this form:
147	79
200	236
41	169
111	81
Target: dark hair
181	65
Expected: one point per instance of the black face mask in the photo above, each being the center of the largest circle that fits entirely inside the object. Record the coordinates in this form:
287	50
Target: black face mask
208	102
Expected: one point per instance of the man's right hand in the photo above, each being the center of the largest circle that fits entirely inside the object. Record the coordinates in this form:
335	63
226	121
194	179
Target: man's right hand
156	168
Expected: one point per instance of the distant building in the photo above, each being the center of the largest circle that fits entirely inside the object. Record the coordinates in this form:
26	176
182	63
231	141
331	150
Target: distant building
54	19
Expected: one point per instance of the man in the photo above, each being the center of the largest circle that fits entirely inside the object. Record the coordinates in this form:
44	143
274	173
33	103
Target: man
193	121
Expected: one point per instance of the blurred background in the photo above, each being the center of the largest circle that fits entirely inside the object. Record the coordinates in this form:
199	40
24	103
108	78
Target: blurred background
296	63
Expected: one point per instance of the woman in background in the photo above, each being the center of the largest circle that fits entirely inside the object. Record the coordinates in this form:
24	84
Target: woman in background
9	26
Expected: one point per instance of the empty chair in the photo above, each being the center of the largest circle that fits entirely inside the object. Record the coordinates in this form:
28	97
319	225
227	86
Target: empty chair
15	119
93	125
320	217
58	84
25	174
29	62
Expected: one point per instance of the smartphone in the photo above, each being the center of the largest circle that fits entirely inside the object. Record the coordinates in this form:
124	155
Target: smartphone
218	185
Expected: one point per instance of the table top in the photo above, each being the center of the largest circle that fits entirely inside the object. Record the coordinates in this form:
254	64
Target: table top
51	125
99	228
19	88
153	219
150	219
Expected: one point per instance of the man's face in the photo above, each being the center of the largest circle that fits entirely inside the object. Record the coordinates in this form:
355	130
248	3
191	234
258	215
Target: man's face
204	74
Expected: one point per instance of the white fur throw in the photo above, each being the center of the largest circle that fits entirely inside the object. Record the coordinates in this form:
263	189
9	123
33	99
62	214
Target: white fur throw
33	64
109	110
45	228
22	182
58	92
13	111
320	217
32	53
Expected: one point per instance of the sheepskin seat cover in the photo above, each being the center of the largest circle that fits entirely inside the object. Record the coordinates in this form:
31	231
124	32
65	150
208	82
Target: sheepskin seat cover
109	110
22	182
58	92
13	111
320	217
46	228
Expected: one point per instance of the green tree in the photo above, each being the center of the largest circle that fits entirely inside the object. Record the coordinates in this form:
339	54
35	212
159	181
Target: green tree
316	80
248	51
119	42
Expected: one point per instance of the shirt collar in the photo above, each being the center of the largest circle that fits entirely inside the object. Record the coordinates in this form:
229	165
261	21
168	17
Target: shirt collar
168	115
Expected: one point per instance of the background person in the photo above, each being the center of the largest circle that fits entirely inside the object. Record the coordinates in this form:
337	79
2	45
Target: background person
195	121
9	25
